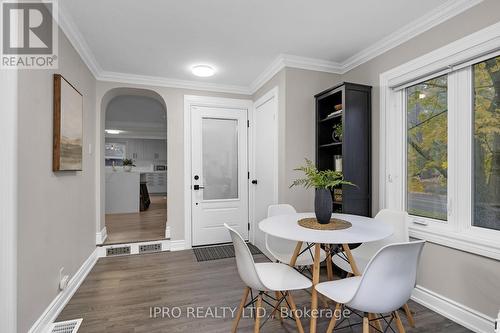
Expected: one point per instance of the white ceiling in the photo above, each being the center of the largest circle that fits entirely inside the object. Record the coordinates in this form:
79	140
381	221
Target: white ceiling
241	38
138	116
132	108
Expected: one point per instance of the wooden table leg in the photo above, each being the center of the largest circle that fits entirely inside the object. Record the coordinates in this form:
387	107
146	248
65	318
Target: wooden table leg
329	268
296	253
314	293
348	253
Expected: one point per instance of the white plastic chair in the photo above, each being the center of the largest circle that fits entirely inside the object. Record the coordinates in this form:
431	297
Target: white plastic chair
362	254
265	277
282	249
385	286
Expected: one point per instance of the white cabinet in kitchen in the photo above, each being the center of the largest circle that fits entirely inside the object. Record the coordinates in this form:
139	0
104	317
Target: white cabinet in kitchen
135	149
154	150
163	150
156	182
149	150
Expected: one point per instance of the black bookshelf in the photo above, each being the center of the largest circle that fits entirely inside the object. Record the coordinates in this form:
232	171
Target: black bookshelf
354	147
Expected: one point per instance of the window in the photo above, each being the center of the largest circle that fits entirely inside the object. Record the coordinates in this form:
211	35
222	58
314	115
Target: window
440	135
427	138
486	144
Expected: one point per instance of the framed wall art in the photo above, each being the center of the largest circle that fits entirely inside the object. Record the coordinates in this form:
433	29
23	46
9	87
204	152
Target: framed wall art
68	126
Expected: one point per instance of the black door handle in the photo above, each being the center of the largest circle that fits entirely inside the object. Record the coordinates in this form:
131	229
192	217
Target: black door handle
254	181
197	187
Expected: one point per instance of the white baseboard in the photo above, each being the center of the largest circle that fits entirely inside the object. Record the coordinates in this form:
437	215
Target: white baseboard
101	236
57	305
459	313
177	245
167	232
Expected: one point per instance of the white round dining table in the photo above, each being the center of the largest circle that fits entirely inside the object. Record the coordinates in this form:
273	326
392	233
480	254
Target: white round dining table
363	229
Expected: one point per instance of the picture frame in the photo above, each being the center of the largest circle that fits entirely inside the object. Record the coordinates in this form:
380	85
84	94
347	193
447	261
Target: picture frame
68	126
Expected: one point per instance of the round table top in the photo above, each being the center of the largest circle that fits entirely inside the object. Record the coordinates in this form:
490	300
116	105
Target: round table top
364	229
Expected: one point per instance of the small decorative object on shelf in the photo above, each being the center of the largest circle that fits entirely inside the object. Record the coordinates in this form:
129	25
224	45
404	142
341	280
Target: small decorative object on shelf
324	182
128	164
338	163
333	114
337	195
338	107
337	132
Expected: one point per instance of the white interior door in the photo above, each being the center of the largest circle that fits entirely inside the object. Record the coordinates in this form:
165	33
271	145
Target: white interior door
219	174
265	150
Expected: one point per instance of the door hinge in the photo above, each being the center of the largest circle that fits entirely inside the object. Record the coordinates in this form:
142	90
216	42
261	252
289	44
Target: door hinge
248	123
248	175
248	226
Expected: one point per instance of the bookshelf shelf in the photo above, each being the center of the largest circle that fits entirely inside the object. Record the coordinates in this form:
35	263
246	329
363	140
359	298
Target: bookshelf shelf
354	100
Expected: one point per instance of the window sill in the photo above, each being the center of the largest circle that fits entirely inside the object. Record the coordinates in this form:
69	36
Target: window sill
463	241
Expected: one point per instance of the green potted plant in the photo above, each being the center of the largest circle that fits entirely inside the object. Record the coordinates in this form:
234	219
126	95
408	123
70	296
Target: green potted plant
323	182
337	132
128	164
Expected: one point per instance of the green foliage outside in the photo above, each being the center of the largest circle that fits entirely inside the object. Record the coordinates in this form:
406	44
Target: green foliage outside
427	146
487	144
427	136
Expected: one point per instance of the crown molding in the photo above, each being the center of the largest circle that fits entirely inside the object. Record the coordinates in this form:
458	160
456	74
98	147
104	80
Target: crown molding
291	61
170	83
435	17
67	25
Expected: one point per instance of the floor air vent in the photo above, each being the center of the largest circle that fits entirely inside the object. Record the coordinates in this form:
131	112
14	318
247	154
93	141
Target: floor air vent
116	251
69	326
150	248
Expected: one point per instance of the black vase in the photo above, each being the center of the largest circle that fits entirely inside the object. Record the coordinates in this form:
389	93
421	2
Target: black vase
323	205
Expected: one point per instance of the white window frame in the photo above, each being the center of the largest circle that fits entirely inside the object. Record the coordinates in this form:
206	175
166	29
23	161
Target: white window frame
457	232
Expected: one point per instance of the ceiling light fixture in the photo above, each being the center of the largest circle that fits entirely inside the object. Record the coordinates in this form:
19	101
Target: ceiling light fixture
203	70
113	131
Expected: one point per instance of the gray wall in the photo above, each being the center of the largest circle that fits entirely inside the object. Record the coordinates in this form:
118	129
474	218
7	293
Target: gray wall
56	215
301	86
296	117
463	277
8	201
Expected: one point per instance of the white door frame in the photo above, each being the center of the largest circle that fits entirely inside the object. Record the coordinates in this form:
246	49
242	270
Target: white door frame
189	101
273	93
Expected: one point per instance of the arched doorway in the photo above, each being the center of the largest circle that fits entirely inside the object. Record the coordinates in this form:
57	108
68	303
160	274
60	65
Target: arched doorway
133	165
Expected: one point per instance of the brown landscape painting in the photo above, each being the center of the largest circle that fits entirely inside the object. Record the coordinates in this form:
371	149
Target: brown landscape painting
68	126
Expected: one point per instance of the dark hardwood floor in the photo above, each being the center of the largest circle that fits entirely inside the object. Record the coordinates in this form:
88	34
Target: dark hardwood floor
138	227
119	292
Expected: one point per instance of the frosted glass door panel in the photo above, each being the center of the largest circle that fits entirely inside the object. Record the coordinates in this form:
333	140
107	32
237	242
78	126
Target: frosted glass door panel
220	158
